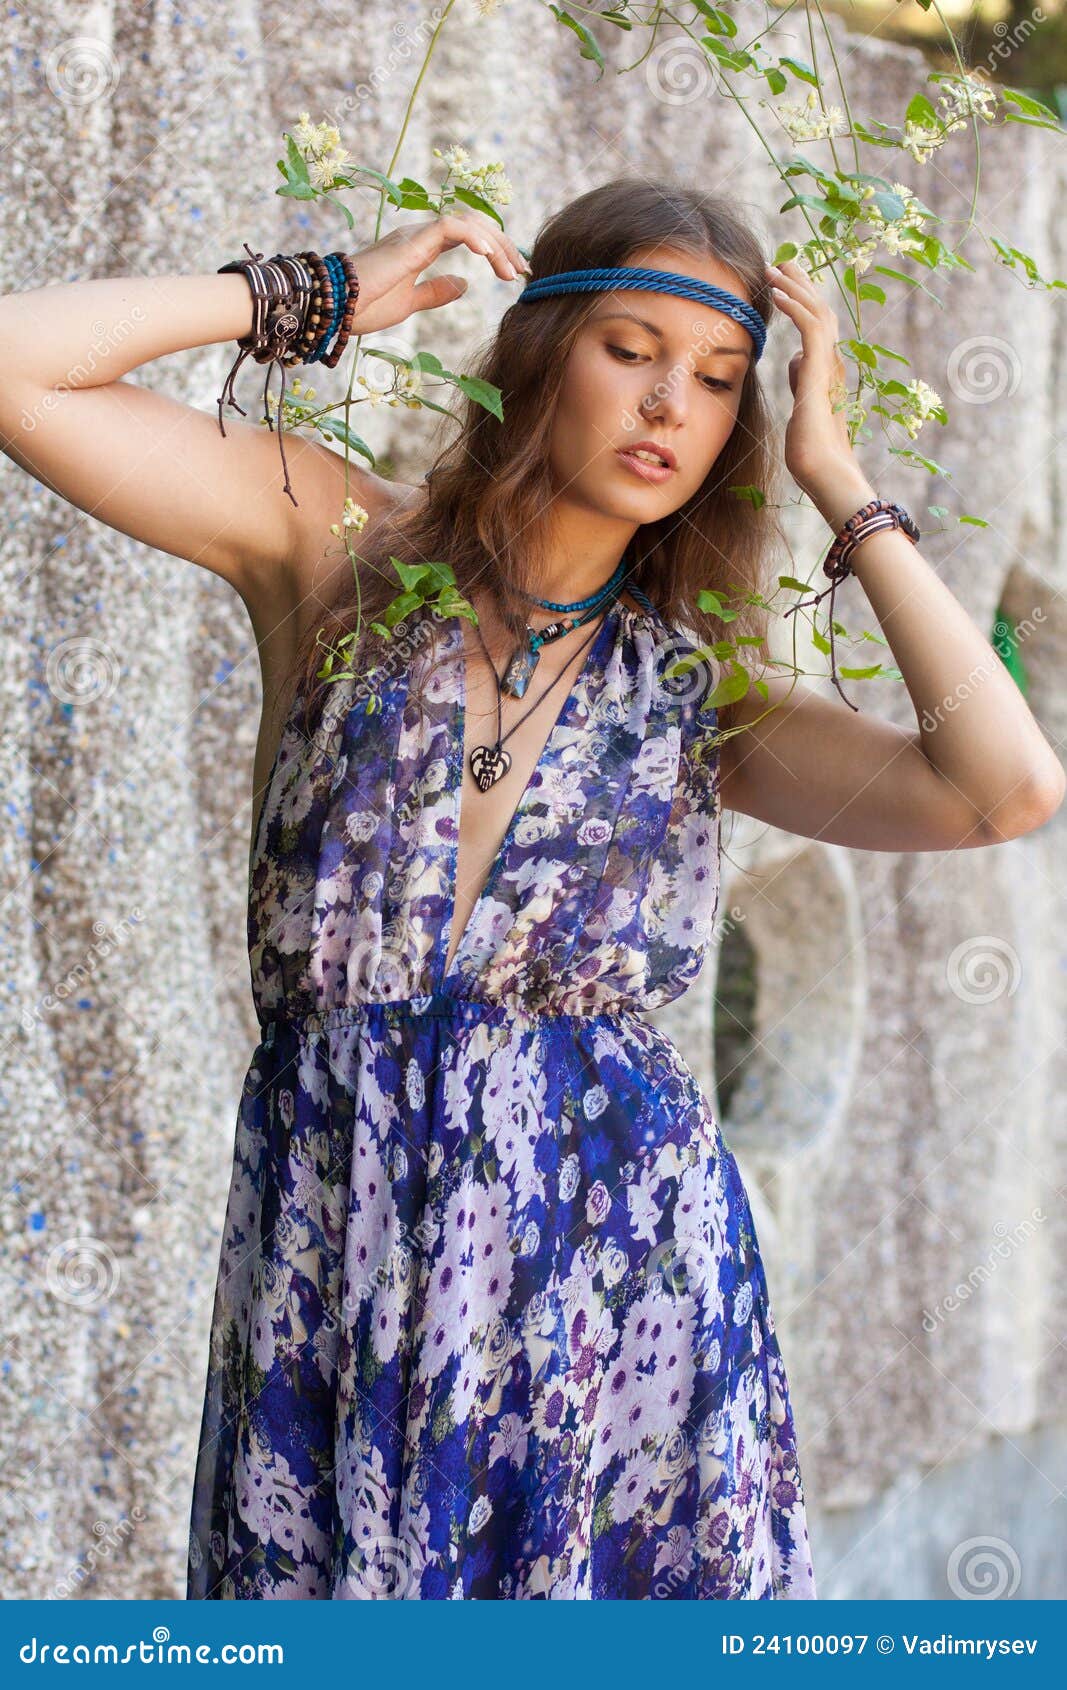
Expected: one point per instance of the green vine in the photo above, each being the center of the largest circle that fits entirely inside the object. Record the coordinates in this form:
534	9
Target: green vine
860	226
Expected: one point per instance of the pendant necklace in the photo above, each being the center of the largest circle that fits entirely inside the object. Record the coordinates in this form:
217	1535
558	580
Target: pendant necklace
488	763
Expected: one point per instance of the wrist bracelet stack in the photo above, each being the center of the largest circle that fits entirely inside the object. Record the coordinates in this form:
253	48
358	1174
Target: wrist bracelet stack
299	303
871	518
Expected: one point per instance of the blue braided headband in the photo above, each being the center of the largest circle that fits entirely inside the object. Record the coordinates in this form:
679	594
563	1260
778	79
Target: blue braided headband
652	281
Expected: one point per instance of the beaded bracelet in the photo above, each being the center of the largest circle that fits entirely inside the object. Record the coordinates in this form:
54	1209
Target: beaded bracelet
298	301
875	515
348	267
871	518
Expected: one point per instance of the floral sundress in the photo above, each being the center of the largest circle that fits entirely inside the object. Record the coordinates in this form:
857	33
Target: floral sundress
490	1320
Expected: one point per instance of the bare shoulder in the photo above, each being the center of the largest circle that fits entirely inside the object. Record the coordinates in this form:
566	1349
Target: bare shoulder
285	605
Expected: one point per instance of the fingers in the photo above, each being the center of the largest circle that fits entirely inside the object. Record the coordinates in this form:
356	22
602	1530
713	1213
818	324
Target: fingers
796	295
437	290
485	239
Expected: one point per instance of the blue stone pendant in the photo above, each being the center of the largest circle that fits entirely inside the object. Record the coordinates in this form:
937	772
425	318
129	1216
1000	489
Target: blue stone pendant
518	673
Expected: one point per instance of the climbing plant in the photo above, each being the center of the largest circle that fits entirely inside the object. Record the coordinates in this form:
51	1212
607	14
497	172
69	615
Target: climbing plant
866	234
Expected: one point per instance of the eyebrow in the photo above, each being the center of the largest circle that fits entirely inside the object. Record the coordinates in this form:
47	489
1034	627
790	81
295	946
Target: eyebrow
629	317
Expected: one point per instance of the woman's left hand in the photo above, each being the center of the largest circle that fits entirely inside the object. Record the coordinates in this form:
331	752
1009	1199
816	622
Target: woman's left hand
818	451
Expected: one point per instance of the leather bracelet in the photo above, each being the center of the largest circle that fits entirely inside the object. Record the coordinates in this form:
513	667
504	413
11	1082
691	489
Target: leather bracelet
871	518
297	302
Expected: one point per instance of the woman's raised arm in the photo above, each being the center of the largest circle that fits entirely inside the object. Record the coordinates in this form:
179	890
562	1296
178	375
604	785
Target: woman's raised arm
161	470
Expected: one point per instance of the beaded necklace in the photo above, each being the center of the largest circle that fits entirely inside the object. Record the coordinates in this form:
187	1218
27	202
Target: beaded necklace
488	763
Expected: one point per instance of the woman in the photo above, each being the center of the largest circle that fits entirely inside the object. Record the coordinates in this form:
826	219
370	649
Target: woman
491	1319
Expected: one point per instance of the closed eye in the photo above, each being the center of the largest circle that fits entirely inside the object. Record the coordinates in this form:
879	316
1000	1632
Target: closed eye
714	382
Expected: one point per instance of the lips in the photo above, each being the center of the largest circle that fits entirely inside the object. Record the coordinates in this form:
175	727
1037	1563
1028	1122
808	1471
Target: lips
648	471
663	452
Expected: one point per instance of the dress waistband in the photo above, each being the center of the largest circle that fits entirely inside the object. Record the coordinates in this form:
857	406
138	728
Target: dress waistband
443	1004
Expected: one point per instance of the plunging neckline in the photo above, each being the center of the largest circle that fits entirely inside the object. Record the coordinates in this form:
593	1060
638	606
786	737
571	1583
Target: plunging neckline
457	757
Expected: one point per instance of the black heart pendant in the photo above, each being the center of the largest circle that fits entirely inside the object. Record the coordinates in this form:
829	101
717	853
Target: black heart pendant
488	763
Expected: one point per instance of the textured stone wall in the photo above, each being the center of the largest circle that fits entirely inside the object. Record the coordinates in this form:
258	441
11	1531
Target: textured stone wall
891	1132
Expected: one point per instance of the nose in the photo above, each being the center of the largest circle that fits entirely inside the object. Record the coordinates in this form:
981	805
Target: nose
666	401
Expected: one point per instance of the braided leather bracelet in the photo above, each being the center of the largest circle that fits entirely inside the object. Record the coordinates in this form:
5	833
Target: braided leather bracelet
297	303
871	518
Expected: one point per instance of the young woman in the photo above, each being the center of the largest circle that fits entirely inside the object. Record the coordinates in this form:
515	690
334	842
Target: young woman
491	1319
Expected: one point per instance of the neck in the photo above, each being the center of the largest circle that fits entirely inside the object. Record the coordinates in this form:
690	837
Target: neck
581	555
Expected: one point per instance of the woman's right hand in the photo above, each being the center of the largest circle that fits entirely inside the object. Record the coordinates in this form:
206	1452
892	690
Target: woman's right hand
388	287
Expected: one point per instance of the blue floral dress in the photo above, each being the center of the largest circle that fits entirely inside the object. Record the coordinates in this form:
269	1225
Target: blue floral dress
491	1319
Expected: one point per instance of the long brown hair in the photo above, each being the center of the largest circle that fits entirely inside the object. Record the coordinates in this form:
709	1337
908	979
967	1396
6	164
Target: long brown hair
490	485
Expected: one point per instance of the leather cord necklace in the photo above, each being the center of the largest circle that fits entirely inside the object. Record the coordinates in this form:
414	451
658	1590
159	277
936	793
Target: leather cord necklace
488	763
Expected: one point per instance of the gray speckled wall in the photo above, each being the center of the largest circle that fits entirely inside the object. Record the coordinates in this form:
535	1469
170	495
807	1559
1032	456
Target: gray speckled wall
901	1113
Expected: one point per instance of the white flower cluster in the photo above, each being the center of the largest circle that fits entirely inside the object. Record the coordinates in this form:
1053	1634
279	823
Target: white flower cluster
889	233
406	388
487	180
353	516
966	96
921	403
859	249
811	121
320	147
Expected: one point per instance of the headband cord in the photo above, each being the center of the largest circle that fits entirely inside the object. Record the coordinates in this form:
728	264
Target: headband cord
651	281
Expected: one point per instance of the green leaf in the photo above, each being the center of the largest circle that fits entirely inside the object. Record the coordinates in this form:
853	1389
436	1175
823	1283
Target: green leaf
890	205
729	688
912	281
469	197
1032	107
410	573
732	59
339	429
483	393
887	352
801	70
863	352
720	23
389	187
860	674
339	205
589	48
298	169
920	111
788	249
797	586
